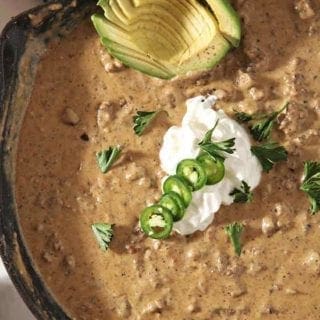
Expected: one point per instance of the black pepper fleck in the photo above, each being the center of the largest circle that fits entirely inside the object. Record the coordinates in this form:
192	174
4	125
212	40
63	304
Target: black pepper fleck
84	137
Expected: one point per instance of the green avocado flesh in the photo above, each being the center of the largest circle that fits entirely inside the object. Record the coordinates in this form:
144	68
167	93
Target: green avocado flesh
228	20
165	38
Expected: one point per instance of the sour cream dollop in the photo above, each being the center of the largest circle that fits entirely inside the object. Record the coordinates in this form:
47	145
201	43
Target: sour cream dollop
181	142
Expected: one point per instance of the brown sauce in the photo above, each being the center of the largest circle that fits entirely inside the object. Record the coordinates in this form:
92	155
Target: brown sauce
78	108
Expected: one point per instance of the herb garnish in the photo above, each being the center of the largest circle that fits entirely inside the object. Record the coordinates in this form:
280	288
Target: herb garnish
234	231
216	149
311	184
106	158
243	194
103	233
269	153
261	124
243	116
142	120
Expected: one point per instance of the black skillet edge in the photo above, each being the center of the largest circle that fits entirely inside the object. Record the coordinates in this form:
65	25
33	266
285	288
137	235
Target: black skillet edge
12	46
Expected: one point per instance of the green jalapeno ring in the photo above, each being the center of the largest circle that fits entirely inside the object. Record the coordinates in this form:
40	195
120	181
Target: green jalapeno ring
214	168
180	186
178	198
156	222
173	202
193	172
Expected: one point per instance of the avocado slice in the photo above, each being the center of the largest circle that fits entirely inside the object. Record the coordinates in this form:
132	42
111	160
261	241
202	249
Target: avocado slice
109	14
161	38
130	54
120	50
109	30
166	23
228	20
112	36
139	62
207	58
117	10
191	16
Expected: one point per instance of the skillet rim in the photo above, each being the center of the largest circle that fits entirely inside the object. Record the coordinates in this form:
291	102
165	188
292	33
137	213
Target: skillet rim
12	46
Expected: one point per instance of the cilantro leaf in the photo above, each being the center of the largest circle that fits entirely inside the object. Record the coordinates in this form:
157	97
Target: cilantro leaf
234	231
262	130
106	158
216	150
243	117
208	136
243	194
269	153
311	184
261	124
103	233
142	120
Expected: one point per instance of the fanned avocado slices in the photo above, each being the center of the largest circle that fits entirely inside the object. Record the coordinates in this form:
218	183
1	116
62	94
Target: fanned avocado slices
165	38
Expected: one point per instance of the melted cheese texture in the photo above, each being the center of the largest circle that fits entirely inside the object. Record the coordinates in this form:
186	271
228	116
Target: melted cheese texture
181	142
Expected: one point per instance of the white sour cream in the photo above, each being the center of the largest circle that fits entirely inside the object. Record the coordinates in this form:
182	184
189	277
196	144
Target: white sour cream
181	143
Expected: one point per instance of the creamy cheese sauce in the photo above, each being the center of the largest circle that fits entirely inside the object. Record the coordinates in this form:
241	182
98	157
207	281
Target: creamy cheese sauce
77	108
181	143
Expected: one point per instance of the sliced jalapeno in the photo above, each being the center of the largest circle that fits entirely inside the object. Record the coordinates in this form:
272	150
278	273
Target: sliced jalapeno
156	222
173	202
214	168
178	198
193	172
180	186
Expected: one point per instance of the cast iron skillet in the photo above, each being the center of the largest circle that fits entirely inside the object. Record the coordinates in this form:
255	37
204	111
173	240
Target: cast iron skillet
13	43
